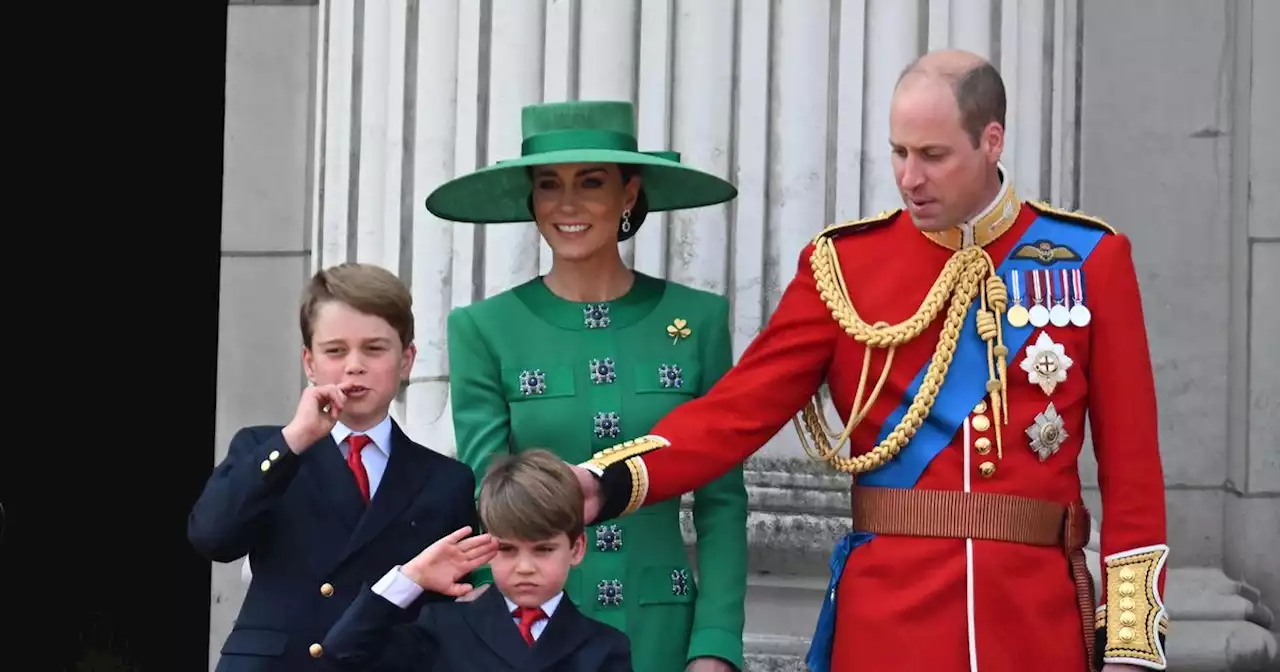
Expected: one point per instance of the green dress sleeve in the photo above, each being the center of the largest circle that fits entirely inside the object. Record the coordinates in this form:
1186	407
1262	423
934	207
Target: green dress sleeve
720	519
481	422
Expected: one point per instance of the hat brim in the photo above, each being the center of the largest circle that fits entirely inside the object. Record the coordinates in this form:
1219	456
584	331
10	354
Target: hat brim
499	194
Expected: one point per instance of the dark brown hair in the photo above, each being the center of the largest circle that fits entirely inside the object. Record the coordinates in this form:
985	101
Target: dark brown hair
981	98
370	289
531	496
979	92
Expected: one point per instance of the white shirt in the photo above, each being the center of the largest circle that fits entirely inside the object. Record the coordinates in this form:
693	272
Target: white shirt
401	591
374	456
548	608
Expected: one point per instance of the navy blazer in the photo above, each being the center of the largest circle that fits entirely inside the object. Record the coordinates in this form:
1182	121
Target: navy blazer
477	636
311	540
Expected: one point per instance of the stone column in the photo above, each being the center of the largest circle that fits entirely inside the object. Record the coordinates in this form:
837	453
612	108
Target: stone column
265	241
1253	487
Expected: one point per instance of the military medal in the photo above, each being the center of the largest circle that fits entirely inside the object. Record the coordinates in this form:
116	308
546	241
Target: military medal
1039	315
1080	315
1059	315
1046	363
1047	434
1018	313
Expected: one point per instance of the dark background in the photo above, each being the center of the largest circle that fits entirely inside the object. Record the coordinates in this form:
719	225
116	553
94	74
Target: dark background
113	146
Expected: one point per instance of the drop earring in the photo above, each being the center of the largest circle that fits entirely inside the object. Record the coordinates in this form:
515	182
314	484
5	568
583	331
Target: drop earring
626	221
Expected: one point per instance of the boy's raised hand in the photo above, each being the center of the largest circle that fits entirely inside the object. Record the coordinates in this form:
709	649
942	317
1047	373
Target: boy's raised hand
439	566
317	413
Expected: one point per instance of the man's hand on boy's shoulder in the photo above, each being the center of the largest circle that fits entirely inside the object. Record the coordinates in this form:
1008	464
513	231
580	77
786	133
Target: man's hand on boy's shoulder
317	413
590	493
439	566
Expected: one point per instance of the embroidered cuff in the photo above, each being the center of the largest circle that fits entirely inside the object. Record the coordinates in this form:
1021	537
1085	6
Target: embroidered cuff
624	480
1133	623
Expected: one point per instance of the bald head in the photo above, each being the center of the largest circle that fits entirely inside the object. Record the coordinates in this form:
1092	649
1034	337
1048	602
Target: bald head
975	83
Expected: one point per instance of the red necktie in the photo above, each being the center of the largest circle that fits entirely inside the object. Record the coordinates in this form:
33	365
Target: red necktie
528	616
357	442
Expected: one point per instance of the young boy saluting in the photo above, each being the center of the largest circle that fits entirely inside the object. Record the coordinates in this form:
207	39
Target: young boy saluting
531	506
324	504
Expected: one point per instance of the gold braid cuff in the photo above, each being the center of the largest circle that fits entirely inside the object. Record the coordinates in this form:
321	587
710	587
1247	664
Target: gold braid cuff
630	454
969	275
1134	621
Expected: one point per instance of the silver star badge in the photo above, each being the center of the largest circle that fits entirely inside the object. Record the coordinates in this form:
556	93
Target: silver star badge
1047	434
1046	363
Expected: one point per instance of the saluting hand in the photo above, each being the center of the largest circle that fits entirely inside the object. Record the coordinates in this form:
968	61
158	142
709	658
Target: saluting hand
317	413
439	566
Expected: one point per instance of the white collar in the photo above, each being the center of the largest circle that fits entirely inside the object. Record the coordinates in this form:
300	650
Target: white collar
380	434
548	607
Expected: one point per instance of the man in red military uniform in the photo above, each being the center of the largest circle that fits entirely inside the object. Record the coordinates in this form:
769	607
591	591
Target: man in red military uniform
964	339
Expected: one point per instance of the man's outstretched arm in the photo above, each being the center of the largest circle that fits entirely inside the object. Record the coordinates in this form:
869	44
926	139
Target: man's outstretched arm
704	438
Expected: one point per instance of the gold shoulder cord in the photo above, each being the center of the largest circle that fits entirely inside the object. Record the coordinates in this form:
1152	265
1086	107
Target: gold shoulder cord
1073	215
968	274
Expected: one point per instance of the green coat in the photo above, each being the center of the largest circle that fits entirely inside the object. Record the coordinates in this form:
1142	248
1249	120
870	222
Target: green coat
528	371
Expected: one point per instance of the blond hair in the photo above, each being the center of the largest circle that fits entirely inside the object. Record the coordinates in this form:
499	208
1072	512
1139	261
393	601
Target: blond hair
370	289
531	496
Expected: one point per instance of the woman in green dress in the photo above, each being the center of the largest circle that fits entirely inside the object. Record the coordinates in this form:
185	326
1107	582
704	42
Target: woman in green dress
594	353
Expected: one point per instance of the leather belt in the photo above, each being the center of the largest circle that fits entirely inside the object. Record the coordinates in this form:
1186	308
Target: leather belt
985	515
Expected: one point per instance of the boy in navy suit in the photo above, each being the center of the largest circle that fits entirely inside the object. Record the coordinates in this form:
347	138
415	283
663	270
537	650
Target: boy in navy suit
324	504
531	505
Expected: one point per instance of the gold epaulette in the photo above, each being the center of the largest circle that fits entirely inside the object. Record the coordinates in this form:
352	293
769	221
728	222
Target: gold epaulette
856	225
1075	216
1134	620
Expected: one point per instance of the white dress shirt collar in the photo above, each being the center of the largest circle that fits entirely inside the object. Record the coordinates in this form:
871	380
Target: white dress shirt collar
548	607
379	434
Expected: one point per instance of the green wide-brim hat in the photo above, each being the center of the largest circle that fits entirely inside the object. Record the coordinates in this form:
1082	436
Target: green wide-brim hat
574	132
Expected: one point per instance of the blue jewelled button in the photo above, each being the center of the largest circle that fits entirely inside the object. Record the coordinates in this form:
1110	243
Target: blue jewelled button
533	382
607	425
609	592
670	375
595	315
608	538
603	371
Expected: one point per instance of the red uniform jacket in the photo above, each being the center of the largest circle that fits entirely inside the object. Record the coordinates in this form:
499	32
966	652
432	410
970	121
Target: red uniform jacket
917	603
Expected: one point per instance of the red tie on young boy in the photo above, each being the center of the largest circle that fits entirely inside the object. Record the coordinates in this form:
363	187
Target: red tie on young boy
528	616
357	442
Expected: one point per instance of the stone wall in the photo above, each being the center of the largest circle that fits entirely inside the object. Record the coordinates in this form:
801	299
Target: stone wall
1179	151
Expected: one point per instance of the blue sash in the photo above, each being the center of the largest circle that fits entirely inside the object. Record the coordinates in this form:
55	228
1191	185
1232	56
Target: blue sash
964	387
